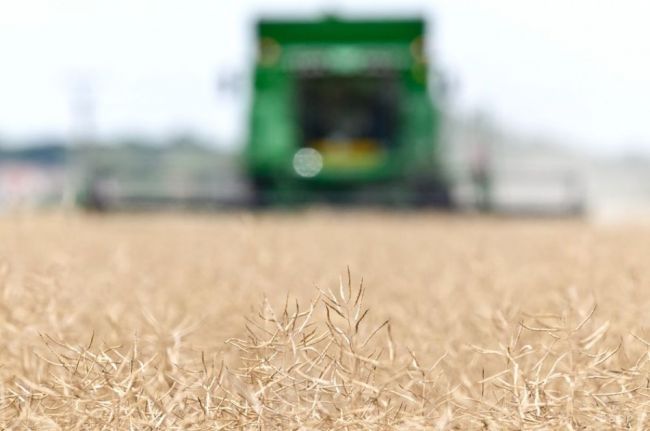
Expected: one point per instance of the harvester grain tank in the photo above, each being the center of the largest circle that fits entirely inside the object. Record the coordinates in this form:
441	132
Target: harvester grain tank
342	110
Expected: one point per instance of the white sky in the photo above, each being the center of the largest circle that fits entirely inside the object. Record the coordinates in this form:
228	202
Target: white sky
578	70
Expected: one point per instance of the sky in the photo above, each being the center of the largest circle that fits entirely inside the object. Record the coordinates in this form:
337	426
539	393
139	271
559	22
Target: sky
577	71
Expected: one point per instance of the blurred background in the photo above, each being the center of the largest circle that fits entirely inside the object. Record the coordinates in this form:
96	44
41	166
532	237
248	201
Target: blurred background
505	106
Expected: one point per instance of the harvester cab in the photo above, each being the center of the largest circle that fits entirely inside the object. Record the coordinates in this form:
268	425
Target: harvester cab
341	111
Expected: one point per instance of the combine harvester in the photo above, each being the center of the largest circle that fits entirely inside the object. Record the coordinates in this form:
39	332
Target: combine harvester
342	112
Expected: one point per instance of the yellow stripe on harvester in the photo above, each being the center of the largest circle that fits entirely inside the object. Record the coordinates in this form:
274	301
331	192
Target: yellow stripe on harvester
350	153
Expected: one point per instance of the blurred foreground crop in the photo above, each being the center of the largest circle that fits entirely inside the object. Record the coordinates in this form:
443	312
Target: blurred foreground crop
139	322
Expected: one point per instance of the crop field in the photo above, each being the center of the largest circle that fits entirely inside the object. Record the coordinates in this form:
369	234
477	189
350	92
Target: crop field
322	320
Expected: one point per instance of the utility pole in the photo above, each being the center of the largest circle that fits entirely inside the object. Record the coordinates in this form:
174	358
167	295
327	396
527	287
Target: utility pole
480	164
82	137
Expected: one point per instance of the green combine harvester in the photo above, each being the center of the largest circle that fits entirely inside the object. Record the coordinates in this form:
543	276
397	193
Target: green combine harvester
342	112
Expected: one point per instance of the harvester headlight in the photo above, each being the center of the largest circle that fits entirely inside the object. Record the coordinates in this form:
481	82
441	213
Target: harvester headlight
269	51
307	162
417	50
